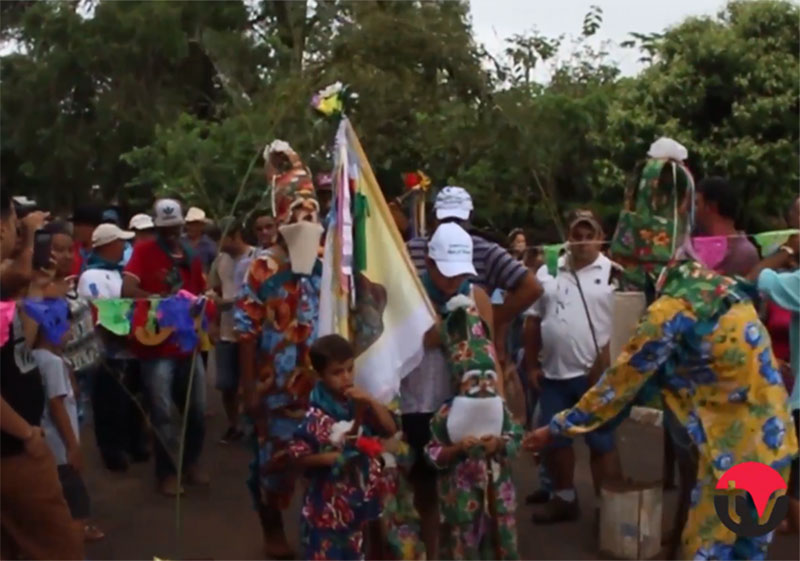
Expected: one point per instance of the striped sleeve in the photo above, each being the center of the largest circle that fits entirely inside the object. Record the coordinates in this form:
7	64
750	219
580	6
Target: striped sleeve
498	268
418	249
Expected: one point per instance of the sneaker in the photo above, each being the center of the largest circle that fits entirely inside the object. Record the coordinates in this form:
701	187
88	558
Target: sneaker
231	435
557	510
538	497
169	486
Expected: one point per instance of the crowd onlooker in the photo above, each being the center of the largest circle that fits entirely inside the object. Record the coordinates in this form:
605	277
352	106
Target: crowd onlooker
29	484
162	267
226	278
464	498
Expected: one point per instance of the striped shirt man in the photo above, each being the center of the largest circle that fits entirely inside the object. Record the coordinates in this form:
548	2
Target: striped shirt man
495	266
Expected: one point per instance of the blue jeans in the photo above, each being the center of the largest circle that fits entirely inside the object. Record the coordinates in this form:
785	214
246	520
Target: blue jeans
165	381
557	395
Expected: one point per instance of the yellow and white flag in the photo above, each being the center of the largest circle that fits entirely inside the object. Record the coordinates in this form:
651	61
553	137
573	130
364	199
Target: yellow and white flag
370	291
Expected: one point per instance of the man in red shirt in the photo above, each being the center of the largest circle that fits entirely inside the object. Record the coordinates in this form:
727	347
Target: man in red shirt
161	267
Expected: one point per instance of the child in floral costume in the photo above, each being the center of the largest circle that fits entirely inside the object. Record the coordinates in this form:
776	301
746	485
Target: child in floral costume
399	523
476	492
342	466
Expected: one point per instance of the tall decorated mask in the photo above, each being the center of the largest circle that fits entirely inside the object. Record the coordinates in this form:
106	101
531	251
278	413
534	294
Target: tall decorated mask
294	205
477	410
655	224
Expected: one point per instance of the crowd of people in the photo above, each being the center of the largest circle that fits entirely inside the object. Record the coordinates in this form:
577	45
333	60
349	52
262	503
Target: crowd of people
716	347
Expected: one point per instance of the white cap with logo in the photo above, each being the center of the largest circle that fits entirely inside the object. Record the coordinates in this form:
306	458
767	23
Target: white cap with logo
168	213
141	221
195	214
450	247
453	202
106	233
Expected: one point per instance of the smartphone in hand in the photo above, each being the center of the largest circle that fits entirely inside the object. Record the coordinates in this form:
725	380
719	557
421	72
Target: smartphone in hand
42	242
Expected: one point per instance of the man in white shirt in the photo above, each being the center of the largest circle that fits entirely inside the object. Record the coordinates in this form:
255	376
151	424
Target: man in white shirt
225	282
570	331
103	275
118	425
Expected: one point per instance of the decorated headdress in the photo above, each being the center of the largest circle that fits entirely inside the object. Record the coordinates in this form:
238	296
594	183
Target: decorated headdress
471	351
653	226
291	182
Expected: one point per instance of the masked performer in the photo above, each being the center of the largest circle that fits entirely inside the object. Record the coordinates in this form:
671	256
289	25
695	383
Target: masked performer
702	344
276	320
473	440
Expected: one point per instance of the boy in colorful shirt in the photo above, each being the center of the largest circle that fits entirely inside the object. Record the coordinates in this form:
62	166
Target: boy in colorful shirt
341	461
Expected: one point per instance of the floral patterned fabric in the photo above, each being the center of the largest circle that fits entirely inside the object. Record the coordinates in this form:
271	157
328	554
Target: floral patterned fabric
279	310
651	226
338	502
399	520
464	494
477	498
717	374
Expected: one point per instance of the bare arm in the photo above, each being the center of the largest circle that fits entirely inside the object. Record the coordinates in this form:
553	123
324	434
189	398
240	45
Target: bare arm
778	260
516	301
12	423
130	288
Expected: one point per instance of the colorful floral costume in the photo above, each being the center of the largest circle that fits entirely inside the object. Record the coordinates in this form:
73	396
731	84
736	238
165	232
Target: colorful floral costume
703	343
279	310
340	500
477	498
399	520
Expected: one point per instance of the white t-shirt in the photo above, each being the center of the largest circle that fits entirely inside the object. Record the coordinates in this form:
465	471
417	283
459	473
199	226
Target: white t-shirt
224	276
100	283
57	383
568	350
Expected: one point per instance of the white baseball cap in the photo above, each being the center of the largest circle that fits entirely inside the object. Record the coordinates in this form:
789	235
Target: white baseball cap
107	233
195	214
453	202
141	221
450	247
168	213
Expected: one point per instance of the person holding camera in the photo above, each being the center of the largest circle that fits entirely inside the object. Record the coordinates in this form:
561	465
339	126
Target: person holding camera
36	522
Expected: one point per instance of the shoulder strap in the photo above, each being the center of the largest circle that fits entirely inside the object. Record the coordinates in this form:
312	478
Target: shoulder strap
585	308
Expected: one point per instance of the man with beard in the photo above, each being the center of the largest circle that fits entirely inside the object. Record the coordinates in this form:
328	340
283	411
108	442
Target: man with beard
276	320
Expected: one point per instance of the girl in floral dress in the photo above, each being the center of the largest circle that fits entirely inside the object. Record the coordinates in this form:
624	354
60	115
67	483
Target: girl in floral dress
333	445
476	493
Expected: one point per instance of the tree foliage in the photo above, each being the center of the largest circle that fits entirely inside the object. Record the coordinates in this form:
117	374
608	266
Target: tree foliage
144	98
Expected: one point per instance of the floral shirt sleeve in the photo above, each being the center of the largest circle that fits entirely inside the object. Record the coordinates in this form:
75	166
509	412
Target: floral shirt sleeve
250	309
652	345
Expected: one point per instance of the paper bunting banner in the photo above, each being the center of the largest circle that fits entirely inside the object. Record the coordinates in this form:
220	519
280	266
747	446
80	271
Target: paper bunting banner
177	314
51	315
710	250
114	315
769	242
7	310
551	253
155	321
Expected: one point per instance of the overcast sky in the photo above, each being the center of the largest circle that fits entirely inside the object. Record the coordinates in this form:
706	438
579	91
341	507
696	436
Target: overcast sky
495	20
